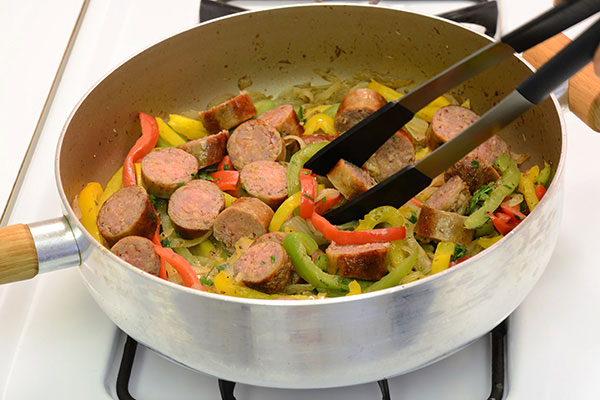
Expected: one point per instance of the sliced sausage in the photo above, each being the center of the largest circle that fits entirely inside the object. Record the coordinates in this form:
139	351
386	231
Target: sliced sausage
349	179
271	237
362	261
310	139
284	119
443	226
139	252
447	122
246	217
208	150
265	180
355	106
127	212
254	140
452	196
164	170
396	153
194	207
228	114
476	167
265	267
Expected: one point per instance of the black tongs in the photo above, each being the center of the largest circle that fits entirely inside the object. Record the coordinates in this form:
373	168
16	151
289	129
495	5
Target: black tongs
359	142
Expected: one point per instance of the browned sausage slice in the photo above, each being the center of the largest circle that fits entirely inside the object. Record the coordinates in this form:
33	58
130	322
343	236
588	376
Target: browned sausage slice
164	170
139	252
476	167
265	267
208	150
447	122
254	141
246	217
362	261
396	153
272	237
349	179
355	106
228	114
127	212
194	207
452	196
310	139
265	180
284	119
443	226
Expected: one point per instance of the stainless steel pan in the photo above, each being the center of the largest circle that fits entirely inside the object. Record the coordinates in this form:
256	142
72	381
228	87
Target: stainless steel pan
308	344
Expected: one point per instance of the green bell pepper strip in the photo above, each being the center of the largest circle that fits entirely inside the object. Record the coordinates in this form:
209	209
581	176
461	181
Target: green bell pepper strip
509	181
297	162
331	111
394	277
299	246
544	176
263	105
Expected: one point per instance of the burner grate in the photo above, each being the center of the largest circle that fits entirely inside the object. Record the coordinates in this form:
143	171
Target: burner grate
226	388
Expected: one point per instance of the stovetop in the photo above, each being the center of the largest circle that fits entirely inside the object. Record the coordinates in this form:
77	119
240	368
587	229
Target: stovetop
56	343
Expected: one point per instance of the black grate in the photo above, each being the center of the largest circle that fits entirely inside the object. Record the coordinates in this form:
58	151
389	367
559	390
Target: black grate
226	388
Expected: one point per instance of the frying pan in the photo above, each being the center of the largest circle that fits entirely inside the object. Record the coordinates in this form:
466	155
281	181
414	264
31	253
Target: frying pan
304	344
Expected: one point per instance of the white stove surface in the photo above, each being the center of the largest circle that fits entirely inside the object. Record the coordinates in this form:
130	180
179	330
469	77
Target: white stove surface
55	342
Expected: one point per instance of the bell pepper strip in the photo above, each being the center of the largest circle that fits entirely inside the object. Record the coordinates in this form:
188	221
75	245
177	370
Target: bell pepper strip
226	180
513	212
183	268
166	133
466	104
224	285
426	113
284	211
486	242
456	262
395	276
508	182
526	186
229	199
263	105
141	147
540	191
330	199
297	162
379	215
113	184
225	164
188	127
320	123
299	246
332	110
388	93
544	176
503	222
308	193
416	202
332	233
138	174
353	289
441	257
309	112
88	205
533	172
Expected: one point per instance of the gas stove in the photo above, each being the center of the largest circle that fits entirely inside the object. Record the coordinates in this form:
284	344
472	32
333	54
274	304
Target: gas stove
55	342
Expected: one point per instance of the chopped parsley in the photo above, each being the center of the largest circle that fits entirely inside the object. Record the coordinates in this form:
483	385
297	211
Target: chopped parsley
272	259
459	252
508	187
225	167
165	243
206	281
203	175
480	195
222	267
180	184
523	207
308	196
305	172
153	199
413	217
301	114
475	163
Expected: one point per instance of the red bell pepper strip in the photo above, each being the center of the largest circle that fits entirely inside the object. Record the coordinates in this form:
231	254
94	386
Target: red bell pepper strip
503	222
226	180
141	147
308	193
225	164
162	272
356	237
513	212
416	202
540	191
185	270
330	199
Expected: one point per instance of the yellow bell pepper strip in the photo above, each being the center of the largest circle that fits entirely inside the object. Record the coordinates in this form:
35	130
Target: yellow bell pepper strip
316	110
167	134
332	233
353	289
113	184
426	113
89	207
263	105
320	123
486	242
297	162
224	285
533	173
544	176
299	246
395	276
141	147
183	268
441	257
284	211
466	104
379	215
138	174
527	187
510	178
388	93
188	127
229	199
308	193
422	153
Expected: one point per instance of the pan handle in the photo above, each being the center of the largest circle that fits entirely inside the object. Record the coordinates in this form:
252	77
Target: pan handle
583	88
29	250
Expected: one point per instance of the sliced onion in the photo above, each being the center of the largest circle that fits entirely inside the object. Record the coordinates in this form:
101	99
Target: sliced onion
290	138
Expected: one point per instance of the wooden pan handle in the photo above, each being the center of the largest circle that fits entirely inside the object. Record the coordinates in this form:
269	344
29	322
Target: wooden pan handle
18	256
584	87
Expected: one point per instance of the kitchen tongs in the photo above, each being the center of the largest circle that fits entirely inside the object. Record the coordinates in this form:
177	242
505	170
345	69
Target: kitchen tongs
359	142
